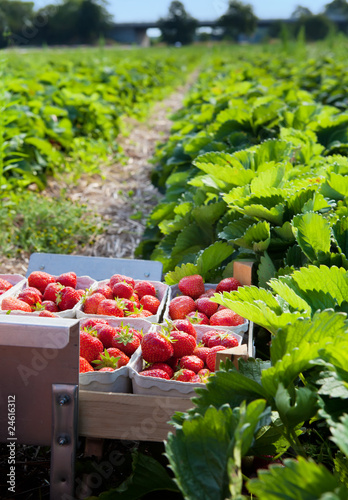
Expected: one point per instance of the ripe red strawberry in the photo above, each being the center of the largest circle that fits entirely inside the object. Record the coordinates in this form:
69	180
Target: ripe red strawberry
142	288
85	366
125	340
31	296
50	306
204	375
192	362
112	357
122	290
150	303
206	306
92	322
105	334
48	314
156	372
69	297
129	305
201	352
52	291
106	369
183	343
104	290
13	304
193	286
227	285
226	317
225	339
162	366
156	347
210	361
5	285
67	279
140	313
81	292
184	375
184	325
40	279
207	335
181	306
208	293
173	362
196	379
91	303
109	307
135	299
198	318
90	346
118	278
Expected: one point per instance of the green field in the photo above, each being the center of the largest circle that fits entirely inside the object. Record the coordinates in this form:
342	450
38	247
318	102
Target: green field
61	113
255	169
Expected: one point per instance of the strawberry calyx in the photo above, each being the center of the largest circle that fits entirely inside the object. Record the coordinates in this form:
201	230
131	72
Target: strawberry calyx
91	330
38	307
107	361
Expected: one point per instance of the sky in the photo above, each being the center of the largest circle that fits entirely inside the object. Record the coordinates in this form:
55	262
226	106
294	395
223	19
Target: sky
151	10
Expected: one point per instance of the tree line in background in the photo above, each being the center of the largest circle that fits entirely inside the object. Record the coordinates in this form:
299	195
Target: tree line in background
87	21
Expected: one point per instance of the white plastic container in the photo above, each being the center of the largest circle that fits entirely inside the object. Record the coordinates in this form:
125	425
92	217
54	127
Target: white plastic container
82	282
118	380
16	280
160	387
161	293
175	292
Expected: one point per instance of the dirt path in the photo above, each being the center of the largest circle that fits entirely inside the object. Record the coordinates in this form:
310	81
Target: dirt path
125	195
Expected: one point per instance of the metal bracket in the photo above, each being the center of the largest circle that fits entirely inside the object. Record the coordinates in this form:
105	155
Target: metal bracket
64	438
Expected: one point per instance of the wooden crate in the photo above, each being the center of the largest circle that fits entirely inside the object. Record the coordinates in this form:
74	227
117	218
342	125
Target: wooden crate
145	418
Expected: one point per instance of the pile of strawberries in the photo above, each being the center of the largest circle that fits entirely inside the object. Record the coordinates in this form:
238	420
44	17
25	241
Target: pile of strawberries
4	286
122	296
195	304
172	353
46	294
105	348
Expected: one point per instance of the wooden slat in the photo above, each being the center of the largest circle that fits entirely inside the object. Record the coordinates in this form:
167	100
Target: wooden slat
127	416
242	271
233	354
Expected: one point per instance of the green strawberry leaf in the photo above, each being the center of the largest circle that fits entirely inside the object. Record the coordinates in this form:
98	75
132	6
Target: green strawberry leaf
148	476
313	235
339	431
298	408
340	231
331	280
204	444
326	326
273	215
173	277
305	479
257	237
213	256
231	386
266	270
335	187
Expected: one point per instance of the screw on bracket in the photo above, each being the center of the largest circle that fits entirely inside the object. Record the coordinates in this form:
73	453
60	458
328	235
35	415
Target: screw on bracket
146	275
63	399
63	440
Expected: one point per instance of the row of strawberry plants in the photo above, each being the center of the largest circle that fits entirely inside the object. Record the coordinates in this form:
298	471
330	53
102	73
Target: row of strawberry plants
257	160
62	112
278	427
71	103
